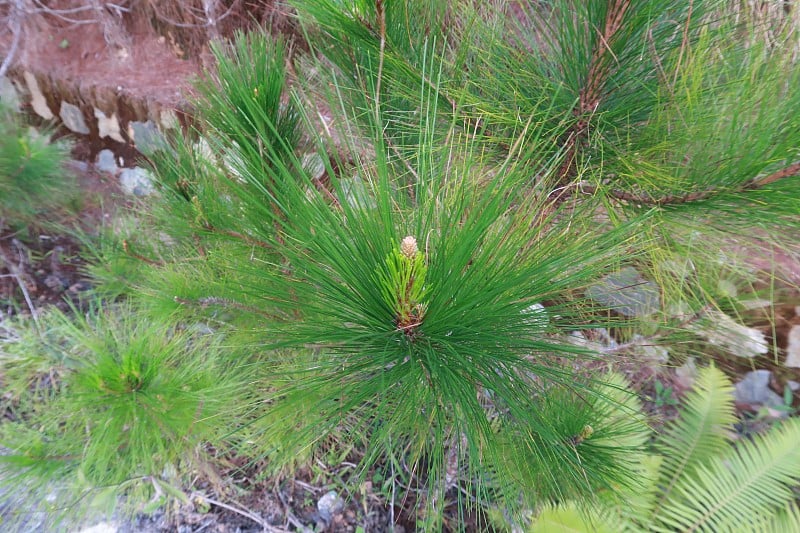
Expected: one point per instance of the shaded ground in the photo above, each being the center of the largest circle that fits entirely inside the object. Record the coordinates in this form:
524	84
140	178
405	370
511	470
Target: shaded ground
40	263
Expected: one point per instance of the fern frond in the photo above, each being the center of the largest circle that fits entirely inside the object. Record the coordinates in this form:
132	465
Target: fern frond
572	518
787	519
736	491
703	429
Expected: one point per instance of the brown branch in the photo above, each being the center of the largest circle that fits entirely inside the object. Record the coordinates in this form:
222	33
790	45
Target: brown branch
127	248
590	94
791	170
240	236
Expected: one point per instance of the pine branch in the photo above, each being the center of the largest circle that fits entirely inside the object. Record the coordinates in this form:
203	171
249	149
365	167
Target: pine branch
590	94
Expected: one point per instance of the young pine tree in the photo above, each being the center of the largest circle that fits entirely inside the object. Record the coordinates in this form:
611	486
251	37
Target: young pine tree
404	240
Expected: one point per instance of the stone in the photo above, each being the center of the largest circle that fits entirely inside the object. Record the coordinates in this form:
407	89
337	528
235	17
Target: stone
234	162
686	374
102	527
9	97
146	137
627	293
108	126
314	165
356	194
38	101
329	505
793	348
536	316
136	181
105	162
754	390
727	288
168	119
724	332
72	116
203	150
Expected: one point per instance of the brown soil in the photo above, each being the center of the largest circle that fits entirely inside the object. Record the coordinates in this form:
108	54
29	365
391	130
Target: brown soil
41	263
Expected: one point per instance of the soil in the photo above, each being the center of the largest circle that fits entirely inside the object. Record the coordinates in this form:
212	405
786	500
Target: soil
41	262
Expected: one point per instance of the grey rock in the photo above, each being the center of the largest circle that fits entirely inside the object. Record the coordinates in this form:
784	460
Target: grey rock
72	116
723	331
9	96
136	181
356	193
627	292
80	167
106	162
793	348
754	390
536	316
102	527
314	165
146	137
330	505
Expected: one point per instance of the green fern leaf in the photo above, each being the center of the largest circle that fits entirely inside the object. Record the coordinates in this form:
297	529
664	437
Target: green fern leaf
787	519
571	518
703	429
739	490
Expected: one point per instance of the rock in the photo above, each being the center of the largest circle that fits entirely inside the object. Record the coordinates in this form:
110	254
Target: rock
793	348
9	97
136	181
38	101
105	162
78	167
536	316
329	505
102	527
356	194
233	162
203	150
627	292
168	119
727	288
793	385
146	137
314	165
754	390
721	330
108	126
686	374
72	116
